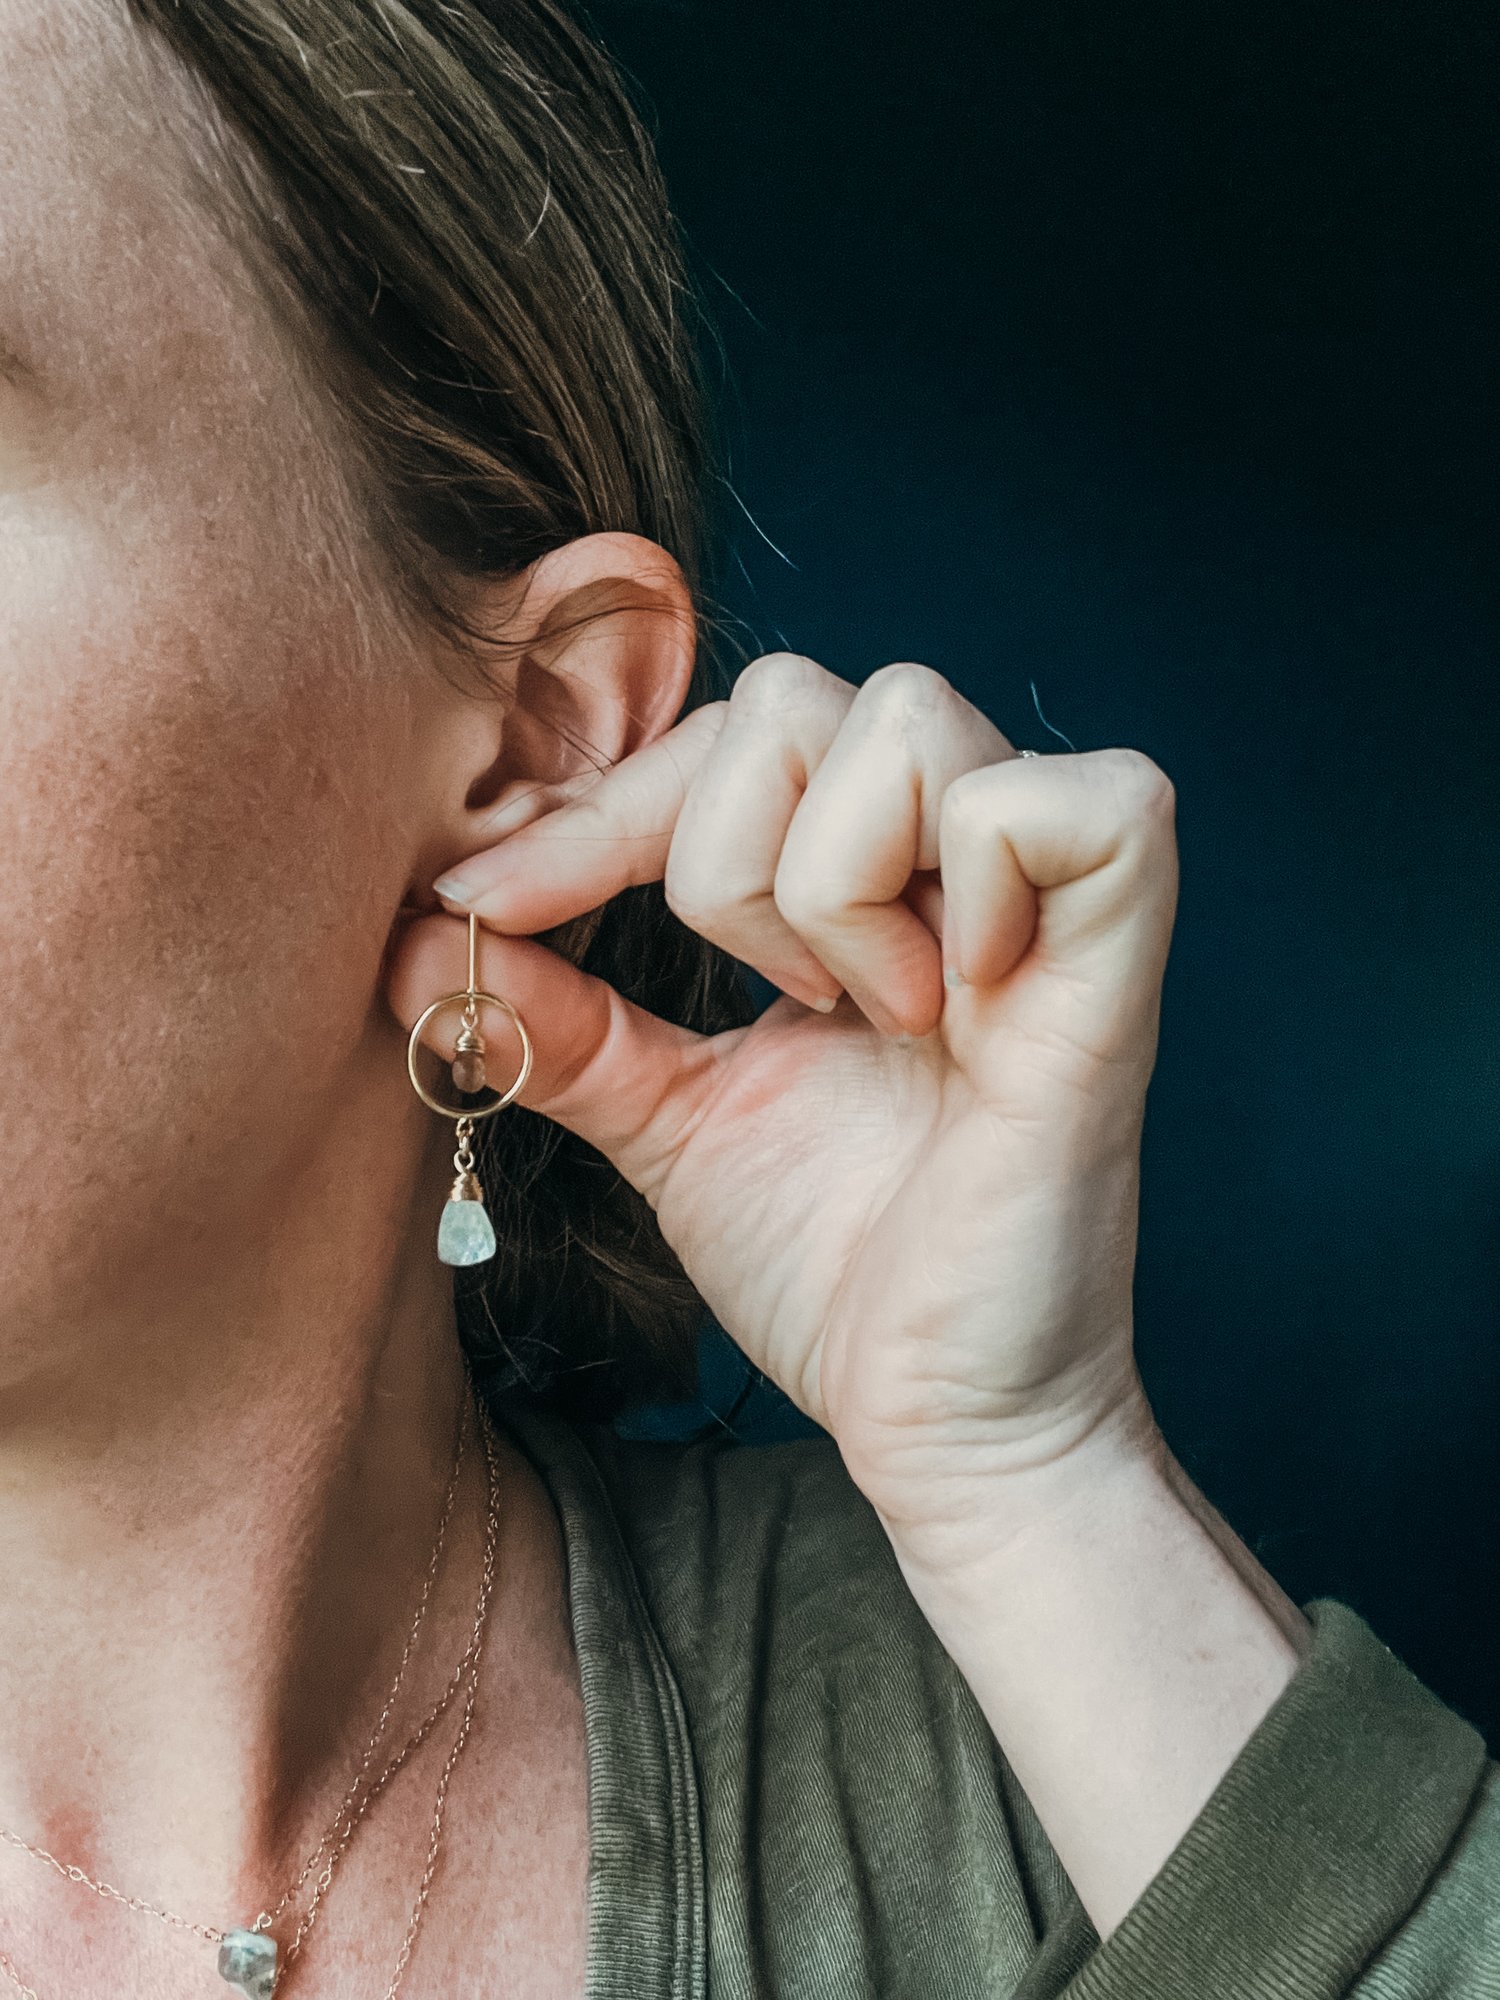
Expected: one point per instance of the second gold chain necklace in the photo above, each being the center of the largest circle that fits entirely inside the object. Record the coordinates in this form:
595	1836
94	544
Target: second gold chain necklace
249	1959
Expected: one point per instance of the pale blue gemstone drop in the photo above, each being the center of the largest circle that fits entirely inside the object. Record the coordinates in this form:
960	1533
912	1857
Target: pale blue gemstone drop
465	1233
247	1961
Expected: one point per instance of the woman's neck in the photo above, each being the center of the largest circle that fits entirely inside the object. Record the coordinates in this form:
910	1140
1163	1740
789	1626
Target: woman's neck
219	1491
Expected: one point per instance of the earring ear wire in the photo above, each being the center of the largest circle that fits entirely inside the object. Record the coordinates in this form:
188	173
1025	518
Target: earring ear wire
465	1233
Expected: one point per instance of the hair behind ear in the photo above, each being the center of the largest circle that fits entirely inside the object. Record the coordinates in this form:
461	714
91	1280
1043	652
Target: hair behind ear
460	206
585	1306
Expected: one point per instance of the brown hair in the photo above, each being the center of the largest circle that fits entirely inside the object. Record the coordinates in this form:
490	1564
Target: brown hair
463	210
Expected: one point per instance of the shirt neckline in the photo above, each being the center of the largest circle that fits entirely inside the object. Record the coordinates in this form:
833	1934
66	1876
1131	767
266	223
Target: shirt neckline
646	1892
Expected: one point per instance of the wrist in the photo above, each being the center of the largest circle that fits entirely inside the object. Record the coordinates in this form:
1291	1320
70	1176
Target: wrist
1121	1642
986	1503
1108	1537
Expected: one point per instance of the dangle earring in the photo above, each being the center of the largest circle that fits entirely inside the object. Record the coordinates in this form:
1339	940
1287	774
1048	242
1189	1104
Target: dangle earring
465	1233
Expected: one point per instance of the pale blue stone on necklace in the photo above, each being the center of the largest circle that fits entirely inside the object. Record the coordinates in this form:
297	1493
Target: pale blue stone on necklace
465	1234
247	1961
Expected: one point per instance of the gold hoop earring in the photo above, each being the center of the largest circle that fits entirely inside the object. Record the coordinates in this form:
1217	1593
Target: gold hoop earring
465	1233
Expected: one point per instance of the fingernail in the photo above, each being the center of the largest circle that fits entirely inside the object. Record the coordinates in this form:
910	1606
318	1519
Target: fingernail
953	954
824	1002
453	889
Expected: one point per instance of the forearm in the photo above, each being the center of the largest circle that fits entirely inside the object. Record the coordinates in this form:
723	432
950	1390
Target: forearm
1122	1643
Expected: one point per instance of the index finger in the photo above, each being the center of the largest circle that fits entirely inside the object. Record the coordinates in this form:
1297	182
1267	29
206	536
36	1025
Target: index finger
579	855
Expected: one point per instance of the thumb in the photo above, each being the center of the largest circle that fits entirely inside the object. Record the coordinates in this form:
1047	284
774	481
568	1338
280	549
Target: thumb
625	1081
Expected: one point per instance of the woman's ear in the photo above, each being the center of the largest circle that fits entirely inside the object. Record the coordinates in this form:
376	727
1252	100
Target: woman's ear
599	639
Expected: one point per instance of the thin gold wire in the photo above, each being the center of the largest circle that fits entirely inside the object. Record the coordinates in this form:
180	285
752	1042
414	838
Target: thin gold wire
471	996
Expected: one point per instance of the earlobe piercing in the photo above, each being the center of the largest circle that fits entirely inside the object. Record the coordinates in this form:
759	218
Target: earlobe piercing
465	1233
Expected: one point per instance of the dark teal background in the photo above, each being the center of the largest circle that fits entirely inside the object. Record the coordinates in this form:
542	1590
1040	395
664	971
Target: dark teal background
1145	354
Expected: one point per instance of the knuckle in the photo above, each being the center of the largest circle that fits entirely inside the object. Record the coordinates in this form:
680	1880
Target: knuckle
905	691
1141	785
778	681
970	803
807	902
690	898
707	719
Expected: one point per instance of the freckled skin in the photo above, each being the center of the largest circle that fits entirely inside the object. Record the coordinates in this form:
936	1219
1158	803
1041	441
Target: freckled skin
219	778
194	881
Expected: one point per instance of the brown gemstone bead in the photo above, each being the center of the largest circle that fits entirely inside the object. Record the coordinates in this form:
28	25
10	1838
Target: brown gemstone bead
468	1070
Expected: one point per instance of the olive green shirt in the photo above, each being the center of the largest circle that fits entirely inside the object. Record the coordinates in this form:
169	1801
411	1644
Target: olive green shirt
793	1794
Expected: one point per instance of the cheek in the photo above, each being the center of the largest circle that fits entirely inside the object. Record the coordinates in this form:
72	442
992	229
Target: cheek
199	857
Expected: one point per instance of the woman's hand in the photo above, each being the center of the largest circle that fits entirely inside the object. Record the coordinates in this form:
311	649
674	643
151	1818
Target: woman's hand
916	1212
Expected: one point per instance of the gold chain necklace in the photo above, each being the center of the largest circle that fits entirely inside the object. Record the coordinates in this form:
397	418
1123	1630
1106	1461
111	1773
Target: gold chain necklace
250	1960
211	1933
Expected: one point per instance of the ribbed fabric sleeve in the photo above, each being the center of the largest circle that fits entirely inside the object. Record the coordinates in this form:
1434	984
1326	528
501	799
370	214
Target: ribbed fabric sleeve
1353	1848
794	1795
